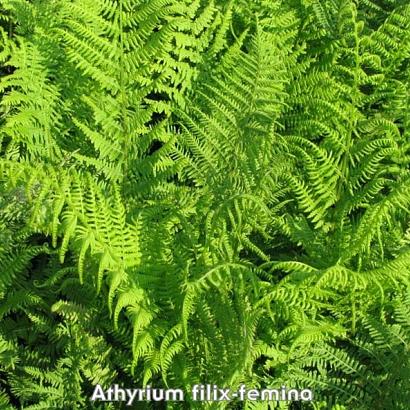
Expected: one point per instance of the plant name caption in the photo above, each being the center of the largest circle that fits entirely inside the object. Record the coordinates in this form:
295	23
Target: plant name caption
198	392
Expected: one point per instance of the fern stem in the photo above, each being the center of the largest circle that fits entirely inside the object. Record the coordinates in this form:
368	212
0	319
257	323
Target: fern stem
124	121
345	171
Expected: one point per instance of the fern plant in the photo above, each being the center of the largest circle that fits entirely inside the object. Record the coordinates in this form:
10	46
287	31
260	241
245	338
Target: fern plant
369	370
203	192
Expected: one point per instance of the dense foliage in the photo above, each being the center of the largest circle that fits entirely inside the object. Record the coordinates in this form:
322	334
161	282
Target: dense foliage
205	191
